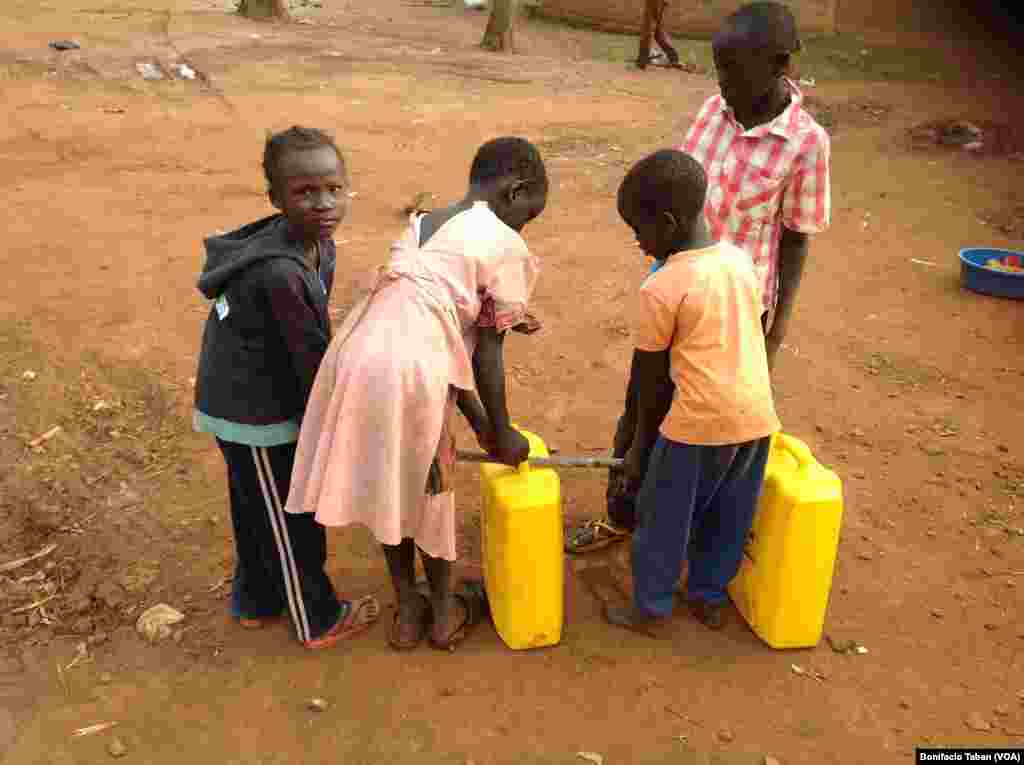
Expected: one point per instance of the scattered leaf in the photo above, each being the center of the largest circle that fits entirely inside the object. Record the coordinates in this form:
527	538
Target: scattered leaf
155	623
591	757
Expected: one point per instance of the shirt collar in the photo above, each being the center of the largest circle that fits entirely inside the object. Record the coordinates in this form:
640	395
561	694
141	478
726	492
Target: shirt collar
784	125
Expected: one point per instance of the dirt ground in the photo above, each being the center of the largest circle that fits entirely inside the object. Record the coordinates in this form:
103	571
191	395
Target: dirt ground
909	387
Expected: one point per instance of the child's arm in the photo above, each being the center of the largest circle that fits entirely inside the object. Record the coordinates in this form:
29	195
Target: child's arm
792	257
650	379
626	426
475	414
299	326
806	209
510	446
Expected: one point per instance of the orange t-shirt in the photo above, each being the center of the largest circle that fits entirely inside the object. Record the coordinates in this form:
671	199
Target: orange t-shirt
706	305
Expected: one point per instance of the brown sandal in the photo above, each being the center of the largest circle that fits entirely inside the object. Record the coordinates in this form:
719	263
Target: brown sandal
473	598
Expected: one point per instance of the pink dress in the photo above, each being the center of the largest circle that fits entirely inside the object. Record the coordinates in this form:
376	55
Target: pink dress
378	411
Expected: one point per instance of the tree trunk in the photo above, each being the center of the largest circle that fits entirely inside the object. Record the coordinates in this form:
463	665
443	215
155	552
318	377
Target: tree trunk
500	34
265	9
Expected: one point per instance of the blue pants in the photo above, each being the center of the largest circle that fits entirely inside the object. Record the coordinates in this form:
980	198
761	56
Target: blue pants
697	497
280	556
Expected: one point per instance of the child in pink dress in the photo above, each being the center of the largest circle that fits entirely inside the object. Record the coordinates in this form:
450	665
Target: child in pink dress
375	446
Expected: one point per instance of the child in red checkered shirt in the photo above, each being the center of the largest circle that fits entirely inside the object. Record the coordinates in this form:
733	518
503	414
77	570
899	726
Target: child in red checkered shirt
767	163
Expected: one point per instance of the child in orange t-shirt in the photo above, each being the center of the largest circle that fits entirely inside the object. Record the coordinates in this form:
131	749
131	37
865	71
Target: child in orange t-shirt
701	465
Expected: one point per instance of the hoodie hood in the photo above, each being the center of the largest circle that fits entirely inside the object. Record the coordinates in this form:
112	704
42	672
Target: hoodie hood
227	255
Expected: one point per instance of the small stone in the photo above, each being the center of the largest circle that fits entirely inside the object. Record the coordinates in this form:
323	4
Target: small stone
448	691
865	556
991	627
932	533
769	760
861	650
1002	710
63	45
938	613
726	736
318	705
28	375
820	428
106	678
593	757
1004	448
904	704
117	748
978	723
177	636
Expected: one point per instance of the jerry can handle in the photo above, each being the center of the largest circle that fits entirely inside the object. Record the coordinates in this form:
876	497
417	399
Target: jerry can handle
797	449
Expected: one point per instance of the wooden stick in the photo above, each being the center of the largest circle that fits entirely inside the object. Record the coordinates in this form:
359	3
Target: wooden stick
23	561
45	437
552	462
90	729
33	606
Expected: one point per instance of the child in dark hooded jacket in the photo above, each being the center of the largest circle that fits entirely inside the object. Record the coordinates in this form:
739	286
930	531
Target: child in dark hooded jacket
268	329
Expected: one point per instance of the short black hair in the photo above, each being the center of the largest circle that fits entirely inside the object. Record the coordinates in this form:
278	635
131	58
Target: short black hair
505	157
295	138
665	181
767	25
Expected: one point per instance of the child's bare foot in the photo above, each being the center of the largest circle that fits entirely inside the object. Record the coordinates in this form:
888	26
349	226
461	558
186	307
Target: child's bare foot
631	619
413	618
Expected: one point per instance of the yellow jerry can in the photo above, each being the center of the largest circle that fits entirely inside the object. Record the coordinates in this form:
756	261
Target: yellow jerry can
782	588
522	550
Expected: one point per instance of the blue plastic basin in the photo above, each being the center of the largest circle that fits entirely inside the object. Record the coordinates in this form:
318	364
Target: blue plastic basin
976	276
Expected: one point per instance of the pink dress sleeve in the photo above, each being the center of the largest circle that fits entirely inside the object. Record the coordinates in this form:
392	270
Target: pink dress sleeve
506	285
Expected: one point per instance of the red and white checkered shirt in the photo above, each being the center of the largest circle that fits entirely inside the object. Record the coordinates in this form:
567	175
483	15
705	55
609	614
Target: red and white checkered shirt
761	180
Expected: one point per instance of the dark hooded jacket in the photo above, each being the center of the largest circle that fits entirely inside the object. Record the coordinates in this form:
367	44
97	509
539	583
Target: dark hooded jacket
268	328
